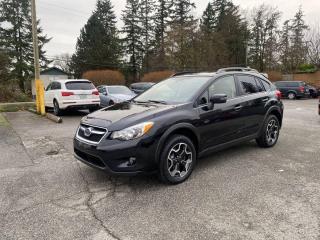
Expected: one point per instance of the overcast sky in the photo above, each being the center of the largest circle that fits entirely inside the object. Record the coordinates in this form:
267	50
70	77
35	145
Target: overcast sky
63	19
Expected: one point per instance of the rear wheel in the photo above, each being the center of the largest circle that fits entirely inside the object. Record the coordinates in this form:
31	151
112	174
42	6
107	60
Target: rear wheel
177	160
56	108
292	96
111	103
270	132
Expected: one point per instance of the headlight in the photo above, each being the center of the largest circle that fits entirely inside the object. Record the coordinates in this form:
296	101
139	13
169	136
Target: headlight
132	132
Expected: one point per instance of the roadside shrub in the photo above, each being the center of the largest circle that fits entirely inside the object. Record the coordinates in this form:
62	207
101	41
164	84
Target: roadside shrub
105	77
10	93
307	68
156	76
274	76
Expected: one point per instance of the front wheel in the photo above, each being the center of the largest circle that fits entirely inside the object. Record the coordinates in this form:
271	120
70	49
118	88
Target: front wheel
177	160
56	108
270	132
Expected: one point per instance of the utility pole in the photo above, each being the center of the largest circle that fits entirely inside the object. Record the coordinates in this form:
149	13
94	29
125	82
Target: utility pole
38	82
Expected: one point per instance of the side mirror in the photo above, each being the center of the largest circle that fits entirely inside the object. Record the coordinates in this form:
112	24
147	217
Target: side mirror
219	98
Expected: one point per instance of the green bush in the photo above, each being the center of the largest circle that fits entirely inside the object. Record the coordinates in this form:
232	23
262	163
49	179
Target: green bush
307	68
9	93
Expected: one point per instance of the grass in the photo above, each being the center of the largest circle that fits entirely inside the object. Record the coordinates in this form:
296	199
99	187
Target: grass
15	107
3	121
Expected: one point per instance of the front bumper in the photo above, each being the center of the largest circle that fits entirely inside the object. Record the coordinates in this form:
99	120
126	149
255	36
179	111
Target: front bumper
118	158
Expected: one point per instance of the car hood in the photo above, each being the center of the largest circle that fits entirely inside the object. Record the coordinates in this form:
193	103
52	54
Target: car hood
123	96
125	114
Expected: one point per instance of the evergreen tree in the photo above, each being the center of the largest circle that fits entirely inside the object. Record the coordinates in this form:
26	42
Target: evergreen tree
298	49
16	39
224	34
285	46
4	67
98	45
162	11
208	20
265	25
181	37
147	8
132	40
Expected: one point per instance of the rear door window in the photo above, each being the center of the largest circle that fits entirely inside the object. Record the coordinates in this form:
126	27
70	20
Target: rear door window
248	84
79	85
266	85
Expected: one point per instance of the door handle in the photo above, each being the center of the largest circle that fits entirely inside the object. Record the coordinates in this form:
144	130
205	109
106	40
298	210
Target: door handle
238	108
265	100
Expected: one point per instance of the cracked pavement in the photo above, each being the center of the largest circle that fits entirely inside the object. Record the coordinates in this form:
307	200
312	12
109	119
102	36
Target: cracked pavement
241	193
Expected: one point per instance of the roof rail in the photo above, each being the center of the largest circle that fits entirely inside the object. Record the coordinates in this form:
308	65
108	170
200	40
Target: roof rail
181	73
237	69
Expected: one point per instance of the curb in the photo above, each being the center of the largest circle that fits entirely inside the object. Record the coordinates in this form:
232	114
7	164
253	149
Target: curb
54	118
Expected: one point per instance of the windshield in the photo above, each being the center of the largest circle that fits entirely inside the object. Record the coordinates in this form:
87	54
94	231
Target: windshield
174	90
119	90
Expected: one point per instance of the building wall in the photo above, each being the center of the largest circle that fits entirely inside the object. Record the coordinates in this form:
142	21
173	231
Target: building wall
47	79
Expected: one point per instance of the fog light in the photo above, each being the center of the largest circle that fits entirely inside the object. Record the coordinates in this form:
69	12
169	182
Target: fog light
132	161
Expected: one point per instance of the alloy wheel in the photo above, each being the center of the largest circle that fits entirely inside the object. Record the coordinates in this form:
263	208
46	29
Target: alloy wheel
179	160
272	131
291	96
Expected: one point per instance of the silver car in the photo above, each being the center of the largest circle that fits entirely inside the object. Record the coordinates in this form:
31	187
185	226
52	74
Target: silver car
110	95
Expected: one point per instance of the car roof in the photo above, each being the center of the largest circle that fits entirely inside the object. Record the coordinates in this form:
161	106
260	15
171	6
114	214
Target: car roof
71	80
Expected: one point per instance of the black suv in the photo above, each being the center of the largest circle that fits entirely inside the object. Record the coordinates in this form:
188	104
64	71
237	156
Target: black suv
293	89
166	128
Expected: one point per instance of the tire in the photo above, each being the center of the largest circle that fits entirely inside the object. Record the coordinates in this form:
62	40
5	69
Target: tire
111	103
292	96
183	159
270	132
56	109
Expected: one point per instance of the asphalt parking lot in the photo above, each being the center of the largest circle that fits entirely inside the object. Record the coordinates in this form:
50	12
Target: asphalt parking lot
241	193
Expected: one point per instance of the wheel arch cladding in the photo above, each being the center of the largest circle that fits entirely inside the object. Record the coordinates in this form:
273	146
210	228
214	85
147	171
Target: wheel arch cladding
184	130
277	114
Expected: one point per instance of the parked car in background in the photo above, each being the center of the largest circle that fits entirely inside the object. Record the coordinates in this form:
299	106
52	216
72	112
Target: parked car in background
293	89
313	91
68	94
166	128
141	87
109	95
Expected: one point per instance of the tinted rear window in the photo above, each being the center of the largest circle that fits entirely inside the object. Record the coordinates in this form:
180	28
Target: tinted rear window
79	86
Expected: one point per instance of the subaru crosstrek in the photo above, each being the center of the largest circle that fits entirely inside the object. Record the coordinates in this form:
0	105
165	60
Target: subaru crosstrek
168	127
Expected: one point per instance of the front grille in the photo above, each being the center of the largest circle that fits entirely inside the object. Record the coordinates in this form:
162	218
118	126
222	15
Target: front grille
90	159
91	134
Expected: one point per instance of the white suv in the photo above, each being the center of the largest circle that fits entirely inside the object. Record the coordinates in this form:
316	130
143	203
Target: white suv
71	94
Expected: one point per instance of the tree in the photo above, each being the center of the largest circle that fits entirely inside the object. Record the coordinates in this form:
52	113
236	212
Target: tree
147	8
181	36
285	46
298	49
16	38
4	67
98	44
63	61
224	35
313	43
161	21
264	27
132	31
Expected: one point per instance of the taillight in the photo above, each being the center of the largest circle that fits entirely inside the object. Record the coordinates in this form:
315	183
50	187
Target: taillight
66	94
95	93
278	94
301	89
